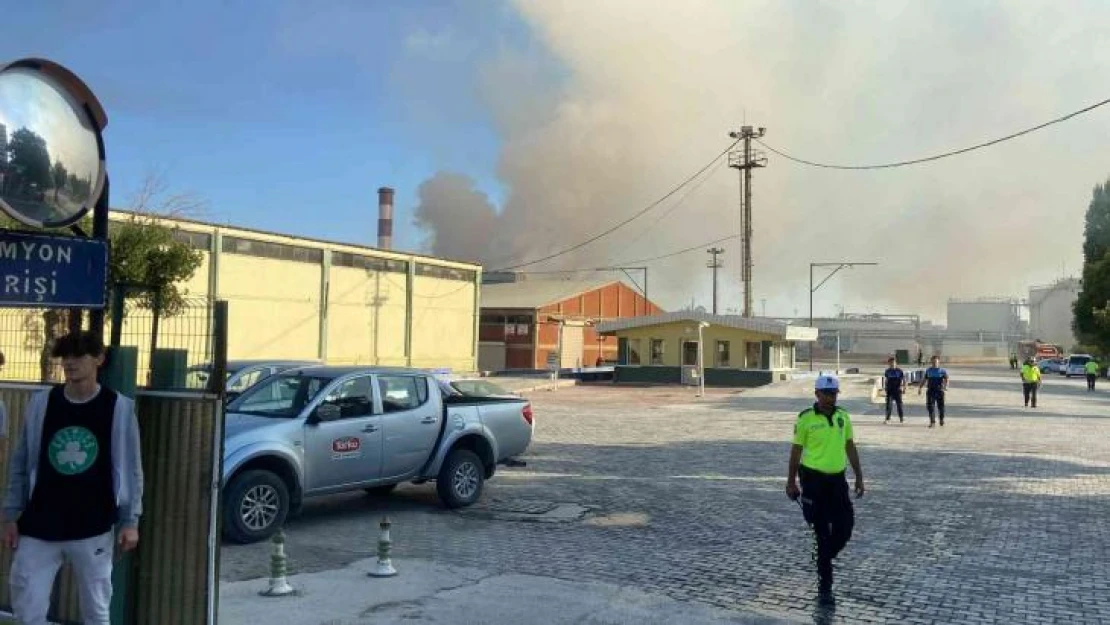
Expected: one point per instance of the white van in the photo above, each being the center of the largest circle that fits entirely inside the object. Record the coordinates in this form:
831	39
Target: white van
1077	365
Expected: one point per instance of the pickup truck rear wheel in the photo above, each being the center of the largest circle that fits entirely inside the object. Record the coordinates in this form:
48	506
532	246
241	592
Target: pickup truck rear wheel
256	505
460	480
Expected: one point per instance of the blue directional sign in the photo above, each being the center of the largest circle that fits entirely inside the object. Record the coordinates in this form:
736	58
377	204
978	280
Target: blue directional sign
41	271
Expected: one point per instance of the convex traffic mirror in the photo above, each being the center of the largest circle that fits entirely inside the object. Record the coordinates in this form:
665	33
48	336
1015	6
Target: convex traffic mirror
51	150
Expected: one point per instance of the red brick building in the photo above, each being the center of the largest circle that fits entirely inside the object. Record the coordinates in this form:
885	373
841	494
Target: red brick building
523	323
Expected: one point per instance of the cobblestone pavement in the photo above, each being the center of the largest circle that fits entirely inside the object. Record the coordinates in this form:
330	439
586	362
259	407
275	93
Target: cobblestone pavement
999	517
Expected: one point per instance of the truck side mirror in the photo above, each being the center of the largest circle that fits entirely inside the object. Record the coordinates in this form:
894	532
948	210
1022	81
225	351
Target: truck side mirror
324	413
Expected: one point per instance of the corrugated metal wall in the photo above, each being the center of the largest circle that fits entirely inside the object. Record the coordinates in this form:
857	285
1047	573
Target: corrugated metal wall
172	569
180	437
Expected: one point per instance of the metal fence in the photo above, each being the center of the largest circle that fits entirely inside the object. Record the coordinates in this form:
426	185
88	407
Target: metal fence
184	341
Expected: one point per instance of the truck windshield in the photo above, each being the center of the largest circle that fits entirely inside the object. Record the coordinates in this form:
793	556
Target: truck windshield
279	396
1078	360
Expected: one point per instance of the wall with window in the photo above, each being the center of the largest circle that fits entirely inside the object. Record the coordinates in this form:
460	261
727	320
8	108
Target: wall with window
276	285
675	344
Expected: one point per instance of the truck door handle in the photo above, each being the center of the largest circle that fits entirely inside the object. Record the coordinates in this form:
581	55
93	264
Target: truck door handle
370	428
429	420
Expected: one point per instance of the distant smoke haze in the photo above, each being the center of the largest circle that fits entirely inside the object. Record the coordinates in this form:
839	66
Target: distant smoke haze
622	99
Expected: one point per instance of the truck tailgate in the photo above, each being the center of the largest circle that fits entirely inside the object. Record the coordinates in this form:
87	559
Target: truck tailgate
505	419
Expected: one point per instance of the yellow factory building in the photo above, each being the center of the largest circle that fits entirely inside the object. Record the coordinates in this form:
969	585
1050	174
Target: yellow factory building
293	297
298	298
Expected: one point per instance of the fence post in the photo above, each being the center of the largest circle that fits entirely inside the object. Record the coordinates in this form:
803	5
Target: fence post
217	382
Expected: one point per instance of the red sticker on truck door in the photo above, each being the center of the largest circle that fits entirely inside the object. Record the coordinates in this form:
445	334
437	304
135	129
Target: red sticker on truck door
346	447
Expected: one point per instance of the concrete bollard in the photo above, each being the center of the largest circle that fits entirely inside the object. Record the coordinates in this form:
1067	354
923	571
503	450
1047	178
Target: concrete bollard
279	585
384	568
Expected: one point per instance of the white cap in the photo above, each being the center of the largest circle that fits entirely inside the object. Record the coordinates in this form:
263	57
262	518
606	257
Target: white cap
827	383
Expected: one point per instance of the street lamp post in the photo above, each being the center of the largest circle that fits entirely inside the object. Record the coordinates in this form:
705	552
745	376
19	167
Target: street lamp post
812	289
701	359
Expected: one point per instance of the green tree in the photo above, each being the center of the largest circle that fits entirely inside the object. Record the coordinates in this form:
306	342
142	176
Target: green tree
146	256
1092	307
29	160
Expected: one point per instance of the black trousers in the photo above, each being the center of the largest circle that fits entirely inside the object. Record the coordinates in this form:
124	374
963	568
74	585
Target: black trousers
934	401
894	397
1091	381
827	506
1029	389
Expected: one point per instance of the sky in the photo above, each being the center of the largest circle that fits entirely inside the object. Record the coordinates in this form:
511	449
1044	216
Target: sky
513	129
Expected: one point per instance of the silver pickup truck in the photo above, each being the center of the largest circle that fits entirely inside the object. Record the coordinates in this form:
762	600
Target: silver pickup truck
321	430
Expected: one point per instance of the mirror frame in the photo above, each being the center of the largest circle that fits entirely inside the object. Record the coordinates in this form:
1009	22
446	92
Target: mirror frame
87	105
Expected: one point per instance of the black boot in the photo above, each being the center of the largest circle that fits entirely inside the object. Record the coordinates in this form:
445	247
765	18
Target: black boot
824	581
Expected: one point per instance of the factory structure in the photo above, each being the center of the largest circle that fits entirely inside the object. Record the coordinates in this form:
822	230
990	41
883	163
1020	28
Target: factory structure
539	324
1051	312
293	297
983	329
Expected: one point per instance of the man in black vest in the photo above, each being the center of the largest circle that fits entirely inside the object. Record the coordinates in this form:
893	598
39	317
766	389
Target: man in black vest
894	384
75	476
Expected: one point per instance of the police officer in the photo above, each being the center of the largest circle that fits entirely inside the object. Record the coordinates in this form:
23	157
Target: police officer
937	381
894	380
1091	368
822	448
1030	381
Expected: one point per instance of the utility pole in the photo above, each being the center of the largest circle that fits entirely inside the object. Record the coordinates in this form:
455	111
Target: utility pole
714	265
745	160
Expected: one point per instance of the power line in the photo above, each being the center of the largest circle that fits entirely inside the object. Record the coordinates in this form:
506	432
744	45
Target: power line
682	251
943	155
626	221
618	266
681	200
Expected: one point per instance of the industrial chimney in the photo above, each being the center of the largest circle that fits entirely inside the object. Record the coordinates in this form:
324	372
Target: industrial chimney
385	218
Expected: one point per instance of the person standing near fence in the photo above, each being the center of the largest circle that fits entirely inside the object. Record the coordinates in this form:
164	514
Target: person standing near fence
1030	381
894	380
75	475
936	379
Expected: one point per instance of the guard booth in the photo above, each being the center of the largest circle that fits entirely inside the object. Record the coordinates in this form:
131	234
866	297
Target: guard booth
53	175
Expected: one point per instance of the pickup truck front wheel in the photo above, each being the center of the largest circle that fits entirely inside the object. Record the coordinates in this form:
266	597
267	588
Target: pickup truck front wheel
256	506
460	480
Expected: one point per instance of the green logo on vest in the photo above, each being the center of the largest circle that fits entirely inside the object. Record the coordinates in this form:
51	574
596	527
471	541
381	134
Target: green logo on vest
72	450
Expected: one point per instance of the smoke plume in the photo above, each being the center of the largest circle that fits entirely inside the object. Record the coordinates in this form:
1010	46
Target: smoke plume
624	98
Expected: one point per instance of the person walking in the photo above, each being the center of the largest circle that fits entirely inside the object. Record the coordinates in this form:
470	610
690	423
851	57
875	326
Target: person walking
1030	381
894	380
936	379
822	447
74	477
1091	368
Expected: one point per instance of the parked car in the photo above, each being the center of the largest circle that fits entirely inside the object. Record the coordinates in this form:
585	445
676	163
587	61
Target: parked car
1077	365
1052	365
320	430
243	374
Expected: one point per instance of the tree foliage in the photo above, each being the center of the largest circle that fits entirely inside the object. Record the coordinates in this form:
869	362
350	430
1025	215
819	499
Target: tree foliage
146	255
1092	308
29	159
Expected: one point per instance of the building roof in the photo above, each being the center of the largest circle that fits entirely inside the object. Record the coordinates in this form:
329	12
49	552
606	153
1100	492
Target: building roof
293	239
751	324
533	294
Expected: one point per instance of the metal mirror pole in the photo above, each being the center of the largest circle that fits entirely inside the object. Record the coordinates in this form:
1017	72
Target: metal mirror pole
100	232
